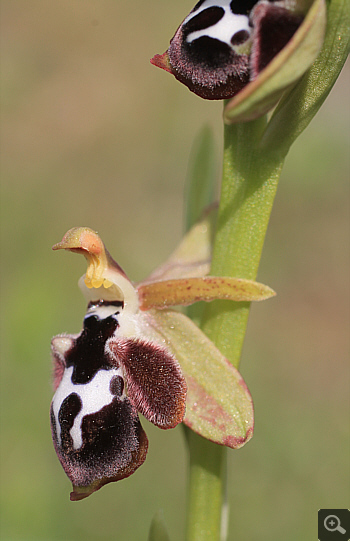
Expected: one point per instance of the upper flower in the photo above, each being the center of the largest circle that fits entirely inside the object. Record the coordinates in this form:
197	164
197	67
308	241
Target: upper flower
224	45
135	355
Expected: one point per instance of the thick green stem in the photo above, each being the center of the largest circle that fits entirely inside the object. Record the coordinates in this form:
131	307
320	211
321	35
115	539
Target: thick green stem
248	189
206	497
249	184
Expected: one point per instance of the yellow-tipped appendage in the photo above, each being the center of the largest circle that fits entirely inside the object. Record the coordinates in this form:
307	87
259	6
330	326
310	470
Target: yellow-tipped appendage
104	279
86	241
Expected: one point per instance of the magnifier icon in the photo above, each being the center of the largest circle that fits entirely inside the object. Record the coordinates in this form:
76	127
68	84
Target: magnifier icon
332	524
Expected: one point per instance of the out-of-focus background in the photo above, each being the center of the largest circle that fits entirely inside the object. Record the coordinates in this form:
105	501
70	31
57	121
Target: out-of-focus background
92	134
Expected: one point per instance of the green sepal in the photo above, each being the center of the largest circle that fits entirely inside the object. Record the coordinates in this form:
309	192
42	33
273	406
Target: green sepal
299	106
263	93
193	255
218	405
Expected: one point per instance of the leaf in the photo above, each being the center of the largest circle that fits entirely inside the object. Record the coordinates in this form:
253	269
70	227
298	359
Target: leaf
200	191
187	291
201	179
259	96
158	530
218	406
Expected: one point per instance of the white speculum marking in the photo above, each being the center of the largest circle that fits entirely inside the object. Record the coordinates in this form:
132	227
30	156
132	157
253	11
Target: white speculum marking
127	322
94	395
103	311
224	29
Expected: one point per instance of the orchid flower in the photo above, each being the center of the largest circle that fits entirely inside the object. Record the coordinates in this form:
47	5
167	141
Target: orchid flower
251	51
136	355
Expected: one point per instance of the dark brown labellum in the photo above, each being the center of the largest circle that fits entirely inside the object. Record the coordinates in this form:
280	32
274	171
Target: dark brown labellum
102	382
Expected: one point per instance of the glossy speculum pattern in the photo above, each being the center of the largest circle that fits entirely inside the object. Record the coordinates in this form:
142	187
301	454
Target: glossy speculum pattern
222	45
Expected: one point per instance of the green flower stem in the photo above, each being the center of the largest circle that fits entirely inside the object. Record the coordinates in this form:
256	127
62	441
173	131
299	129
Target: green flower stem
250	178
207	474
249	184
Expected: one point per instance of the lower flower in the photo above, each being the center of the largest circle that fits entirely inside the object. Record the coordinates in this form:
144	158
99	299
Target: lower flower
135	355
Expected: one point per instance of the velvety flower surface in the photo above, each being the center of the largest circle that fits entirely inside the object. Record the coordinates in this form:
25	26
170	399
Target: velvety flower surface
135	355
224	45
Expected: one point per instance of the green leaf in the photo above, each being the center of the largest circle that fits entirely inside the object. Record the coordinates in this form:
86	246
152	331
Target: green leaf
200	191
201	179
218	406
259	96
158	530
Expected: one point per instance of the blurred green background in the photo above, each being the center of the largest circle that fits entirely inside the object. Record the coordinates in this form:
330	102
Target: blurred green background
92	134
